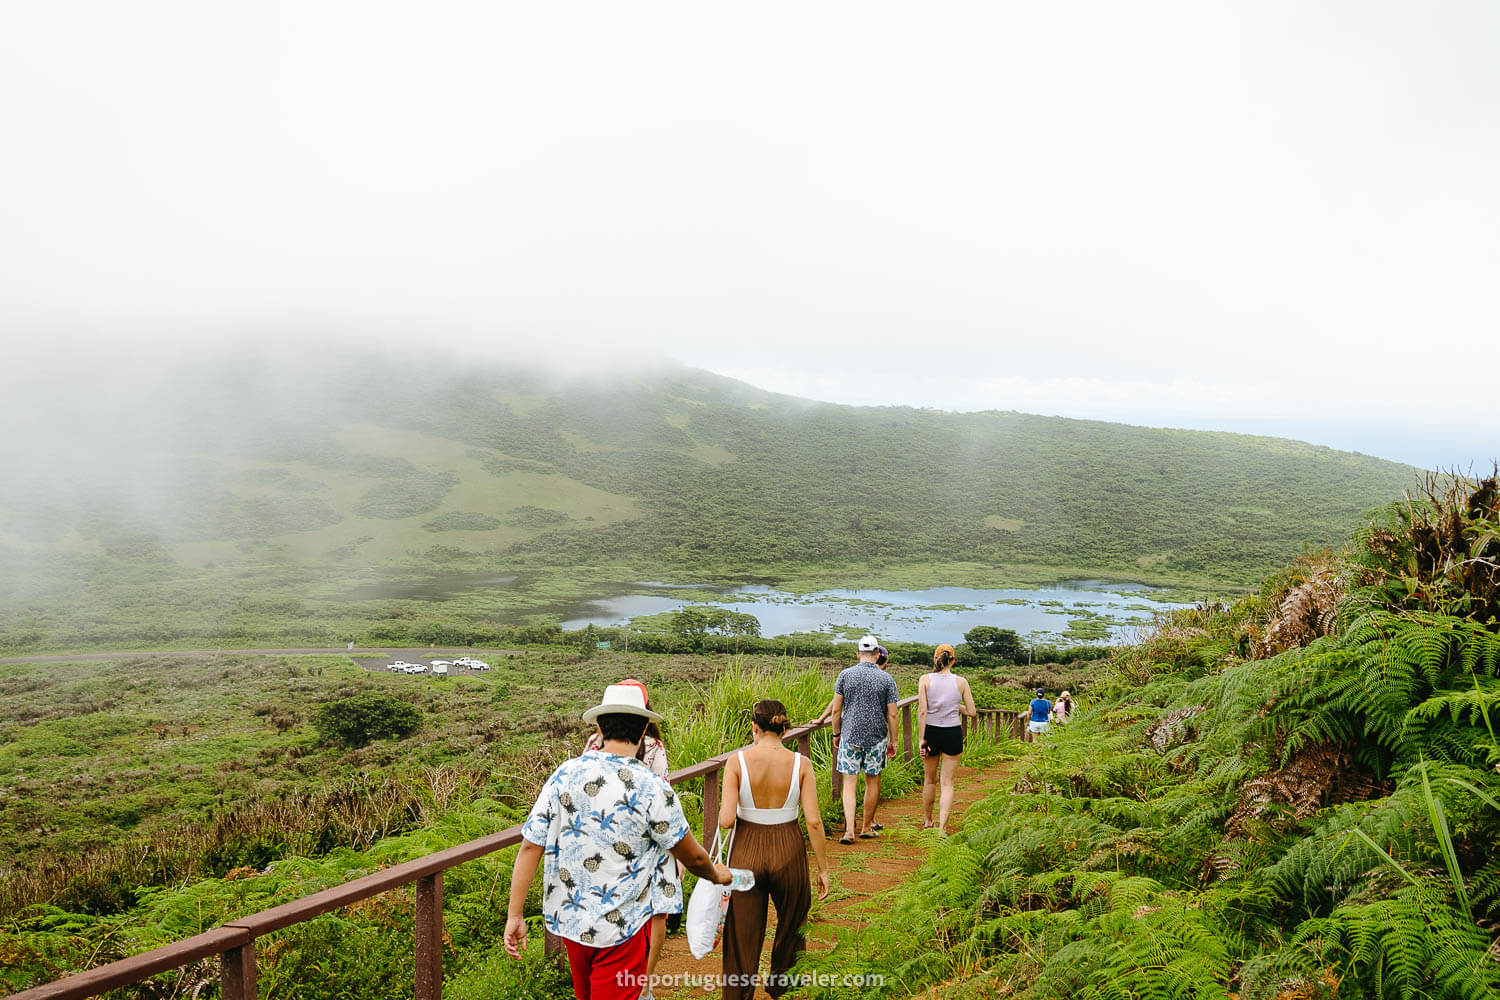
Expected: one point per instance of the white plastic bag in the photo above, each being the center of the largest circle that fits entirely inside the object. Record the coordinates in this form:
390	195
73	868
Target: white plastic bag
708	905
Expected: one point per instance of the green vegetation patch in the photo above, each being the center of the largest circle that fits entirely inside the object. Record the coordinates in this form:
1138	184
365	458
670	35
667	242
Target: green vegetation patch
531	517
406	497
462	521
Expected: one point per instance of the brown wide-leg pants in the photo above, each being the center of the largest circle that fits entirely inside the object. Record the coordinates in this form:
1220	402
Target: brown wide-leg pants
777	855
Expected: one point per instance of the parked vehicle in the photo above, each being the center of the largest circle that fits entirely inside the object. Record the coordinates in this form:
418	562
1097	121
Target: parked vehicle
400	665
470	663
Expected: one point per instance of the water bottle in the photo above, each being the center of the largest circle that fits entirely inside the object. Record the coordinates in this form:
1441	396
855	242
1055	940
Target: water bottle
741	879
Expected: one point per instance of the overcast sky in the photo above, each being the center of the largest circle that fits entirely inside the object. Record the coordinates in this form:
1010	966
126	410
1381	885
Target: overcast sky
1273	217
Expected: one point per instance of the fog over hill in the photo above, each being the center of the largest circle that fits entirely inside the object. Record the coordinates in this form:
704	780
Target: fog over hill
230	490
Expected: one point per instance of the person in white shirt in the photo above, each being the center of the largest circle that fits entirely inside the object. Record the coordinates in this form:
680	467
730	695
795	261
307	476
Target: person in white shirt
605	826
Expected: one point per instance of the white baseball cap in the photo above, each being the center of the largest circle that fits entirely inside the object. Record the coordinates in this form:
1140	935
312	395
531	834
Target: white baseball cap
868	644
625	699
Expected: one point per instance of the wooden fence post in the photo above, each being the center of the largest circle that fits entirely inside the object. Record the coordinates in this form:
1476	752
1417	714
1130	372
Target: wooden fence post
711	807
911	751
429	933
237	975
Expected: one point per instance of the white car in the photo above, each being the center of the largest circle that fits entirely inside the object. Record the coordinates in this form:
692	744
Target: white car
401	665
416	668
471	663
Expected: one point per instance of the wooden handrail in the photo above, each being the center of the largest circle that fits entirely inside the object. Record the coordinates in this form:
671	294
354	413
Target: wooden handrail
235	940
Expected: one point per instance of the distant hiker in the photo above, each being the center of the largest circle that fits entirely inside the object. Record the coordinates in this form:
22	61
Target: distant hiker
768	841
864	733
943	698
666	890
1063	710
1039	711
606	826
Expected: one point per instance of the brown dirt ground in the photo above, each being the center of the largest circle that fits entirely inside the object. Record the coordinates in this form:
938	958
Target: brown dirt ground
860	872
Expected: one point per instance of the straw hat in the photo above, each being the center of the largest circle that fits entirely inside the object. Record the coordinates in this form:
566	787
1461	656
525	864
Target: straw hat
622	699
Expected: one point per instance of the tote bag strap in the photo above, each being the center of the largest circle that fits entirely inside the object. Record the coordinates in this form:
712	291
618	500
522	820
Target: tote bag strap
722	848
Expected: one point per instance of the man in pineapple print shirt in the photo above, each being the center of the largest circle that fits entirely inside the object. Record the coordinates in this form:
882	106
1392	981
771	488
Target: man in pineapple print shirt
604	824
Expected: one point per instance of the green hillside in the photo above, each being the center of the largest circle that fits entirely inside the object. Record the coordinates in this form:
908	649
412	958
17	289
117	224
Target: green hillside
251	500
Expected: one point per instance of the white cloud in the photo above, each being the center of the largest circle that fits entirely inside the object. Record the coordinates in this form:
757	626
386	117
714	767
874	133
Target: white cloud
1157	212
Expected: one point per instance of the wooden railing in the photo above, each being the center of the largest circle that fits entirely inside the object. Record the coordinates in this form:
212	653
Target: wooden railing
235	940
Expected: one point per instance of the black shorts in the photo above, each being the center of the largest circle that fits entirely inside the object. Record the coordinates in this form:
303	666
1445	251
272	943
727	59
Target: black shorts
947	740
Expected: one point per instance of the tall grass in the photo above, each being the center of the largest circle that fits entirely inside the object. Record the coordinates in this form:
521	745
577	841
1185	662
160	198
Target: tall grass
720	718
353	813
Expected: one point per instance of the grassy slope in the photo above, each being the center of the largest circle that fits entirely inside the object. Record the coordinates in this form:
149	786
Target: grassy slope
260	516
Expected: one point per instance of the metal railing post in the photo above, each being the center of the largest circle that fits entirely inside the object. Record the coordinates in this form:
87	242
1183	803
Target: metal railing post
429	932
237	974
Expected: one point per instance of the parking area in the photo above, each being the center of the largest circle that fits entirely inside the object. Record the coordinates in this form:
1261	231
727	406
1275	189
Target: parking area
436	663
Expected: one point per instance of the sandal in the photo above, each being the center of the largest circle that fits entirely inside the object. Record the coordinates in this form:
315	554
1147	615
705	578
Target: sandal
846	839
928	825
869	835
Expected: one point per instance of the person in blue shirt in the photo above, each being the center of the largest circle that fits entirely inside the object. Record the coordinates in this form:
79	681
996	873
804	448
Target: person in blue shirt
1041	711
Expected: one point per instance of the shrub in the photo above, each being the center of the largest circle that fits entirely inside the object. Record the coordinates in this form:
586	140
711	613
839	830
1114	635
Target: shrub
462	520
499	977
369	715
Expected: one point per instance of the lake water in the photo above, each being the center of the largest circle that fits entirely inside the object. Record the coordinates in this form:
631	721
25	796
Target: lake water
1072	611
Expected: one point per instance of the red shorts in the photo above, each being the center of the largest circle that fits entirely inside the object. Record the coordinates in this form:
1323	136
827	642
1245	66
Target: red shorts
614	973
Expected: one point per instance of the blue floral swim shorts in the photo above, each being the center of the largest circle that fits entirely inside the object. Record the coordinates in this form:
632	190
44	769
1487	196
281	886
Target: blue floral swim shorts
870	760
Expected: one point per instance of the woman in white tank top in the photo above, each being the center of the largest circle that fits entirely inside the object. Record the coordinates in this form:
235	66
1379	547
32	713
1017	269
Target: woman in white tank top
943	698
764	786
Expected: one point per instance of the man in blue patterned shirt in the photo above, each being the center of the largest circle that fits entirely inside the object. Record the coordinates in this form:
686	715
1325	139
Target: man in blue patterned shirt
864	732
604	823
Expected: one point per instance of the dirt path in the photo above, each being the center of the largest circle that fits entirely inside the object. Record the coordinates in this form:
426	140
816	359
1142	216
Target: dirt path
860	871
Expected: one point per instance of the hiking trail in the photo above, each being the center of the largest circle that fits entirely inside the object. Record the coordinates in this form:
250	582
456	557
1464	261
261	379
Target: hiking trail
859	873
